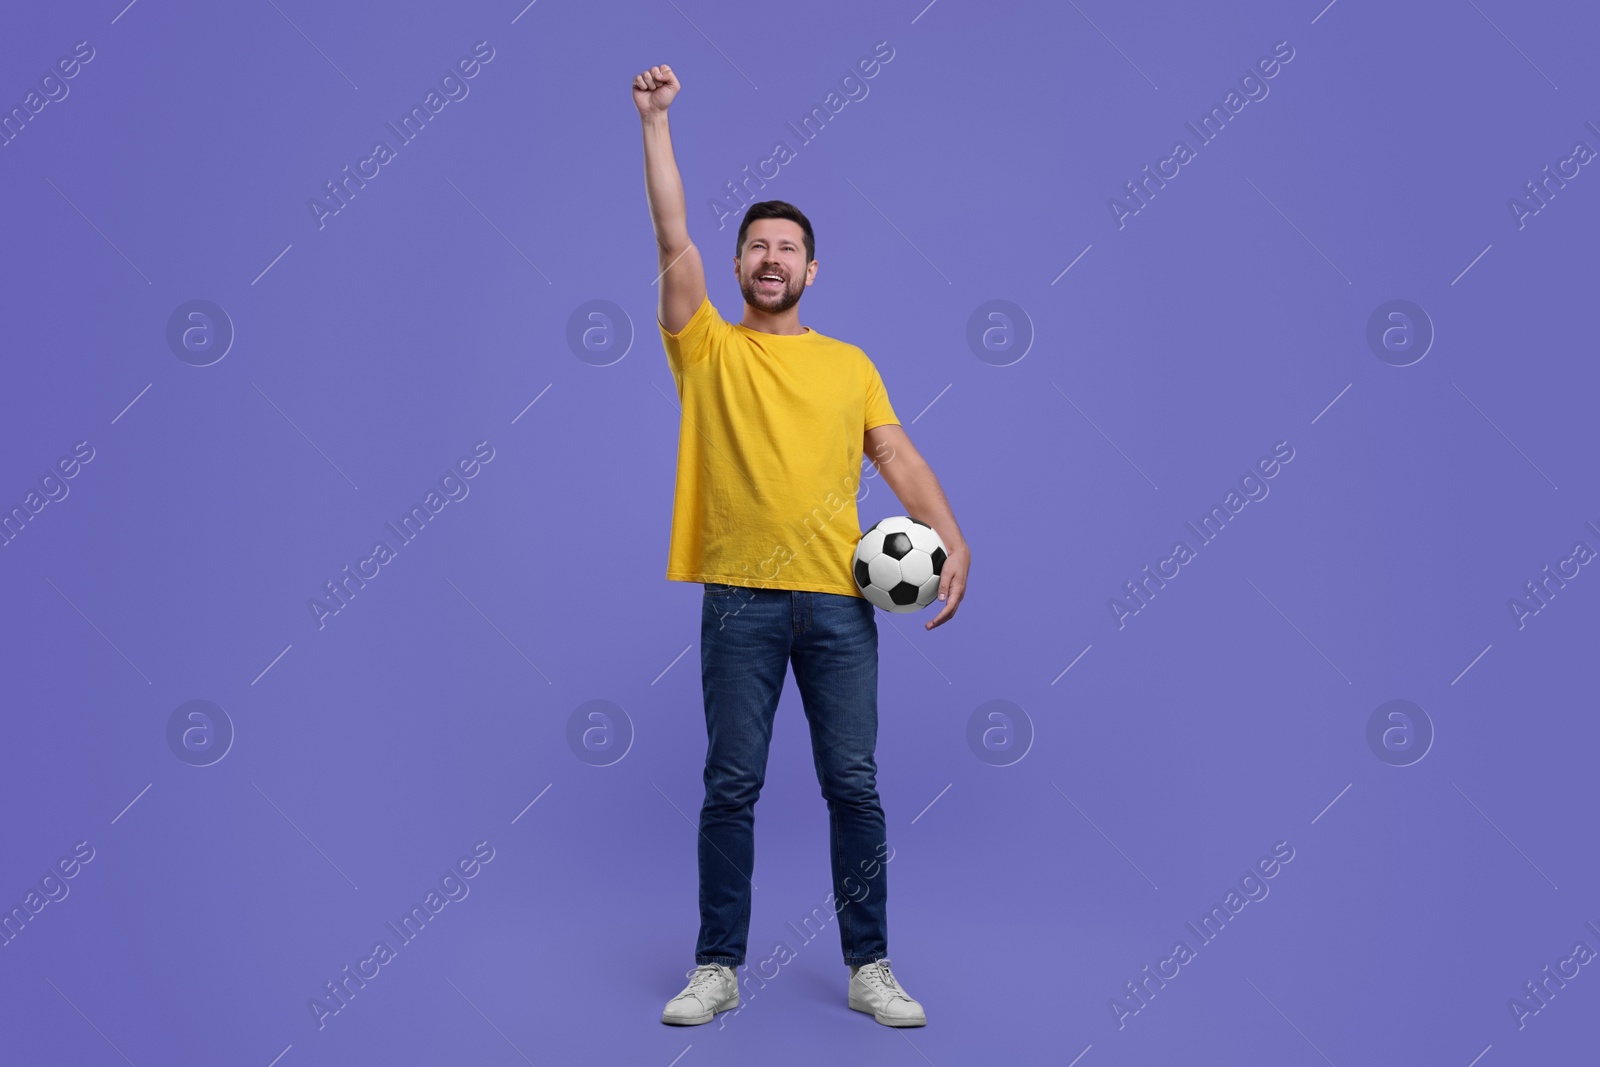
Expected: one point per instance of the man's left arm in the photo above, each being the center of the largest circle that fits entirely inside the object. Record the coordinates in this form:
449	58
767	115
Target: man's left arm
918	491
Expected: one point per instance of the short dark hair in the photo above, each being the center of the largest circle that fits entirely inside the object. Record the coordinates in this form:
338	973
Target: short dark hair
776	209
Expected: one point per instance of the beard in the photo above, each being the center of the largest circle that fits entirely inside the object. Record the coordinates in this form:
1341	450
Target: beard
772	303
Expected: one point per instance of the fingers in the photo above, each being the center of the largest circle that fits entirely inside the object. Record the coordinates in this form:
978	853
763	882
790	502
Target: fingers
952	587
655	77
956	593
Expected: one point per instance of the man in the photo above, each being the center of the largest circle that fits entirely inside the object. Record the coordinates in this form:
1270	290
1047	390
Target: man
775	420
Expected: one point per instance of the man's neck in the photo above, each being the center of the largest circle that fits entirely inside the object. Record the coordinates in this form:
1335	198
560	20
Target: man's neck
786	324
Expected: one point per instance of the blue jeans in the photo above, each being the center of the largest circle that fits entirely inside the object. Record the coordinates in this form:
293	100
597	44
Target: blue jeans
748	638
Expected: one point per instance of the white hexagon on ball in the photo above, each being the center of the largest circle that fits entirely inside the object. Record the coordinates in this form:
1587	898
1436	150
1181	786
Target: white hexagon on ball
916	567
884	571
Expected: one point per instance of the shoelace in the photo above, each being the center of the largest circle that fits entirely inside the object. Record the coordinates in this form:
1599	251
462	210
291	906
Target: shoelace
879	972
704	975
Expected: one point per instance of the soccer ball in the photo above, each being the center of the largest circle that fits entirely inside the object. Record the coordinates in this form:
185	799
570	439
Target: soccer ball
897	564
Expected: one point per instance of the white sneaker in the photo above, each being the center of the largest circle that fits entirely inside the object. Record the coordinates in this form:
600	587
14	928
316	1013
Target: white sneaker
874	990
712	987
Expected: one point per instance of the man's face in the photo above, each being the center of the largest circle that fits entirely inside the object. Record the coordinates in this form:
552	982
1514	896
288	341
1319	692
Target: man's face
774	247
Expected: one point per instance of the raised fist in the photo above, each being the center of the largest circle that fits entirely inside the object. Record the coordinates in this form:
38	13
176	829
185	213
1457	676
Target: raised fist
654	89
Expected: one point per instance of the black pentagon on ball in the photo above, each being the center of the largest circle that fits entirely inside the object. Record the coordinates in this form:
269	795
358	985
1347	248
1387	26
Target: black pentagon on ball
863	576
938	560
896	545
903	593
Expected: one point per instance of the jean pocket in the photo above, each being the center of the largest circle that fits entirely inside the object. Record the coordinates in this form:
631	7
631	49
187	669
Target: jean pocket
718	589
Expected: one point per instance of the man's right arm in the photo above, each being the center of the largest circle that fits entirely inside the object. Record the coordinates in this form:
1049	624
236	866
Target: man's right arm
682	279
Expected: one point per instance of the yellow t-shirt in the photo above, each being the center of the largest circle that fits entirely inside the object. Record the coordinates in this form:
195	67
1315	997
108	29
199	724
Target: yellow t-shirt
769	454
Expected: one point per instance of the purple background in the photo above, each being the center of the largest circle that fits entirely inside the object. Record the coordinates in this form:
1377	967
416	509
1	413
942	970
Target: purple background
372	352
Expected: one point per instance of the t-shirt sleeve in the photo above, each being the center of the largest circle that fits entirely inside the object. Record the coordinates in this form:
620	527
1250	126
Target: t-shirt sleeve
879	412
692	343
